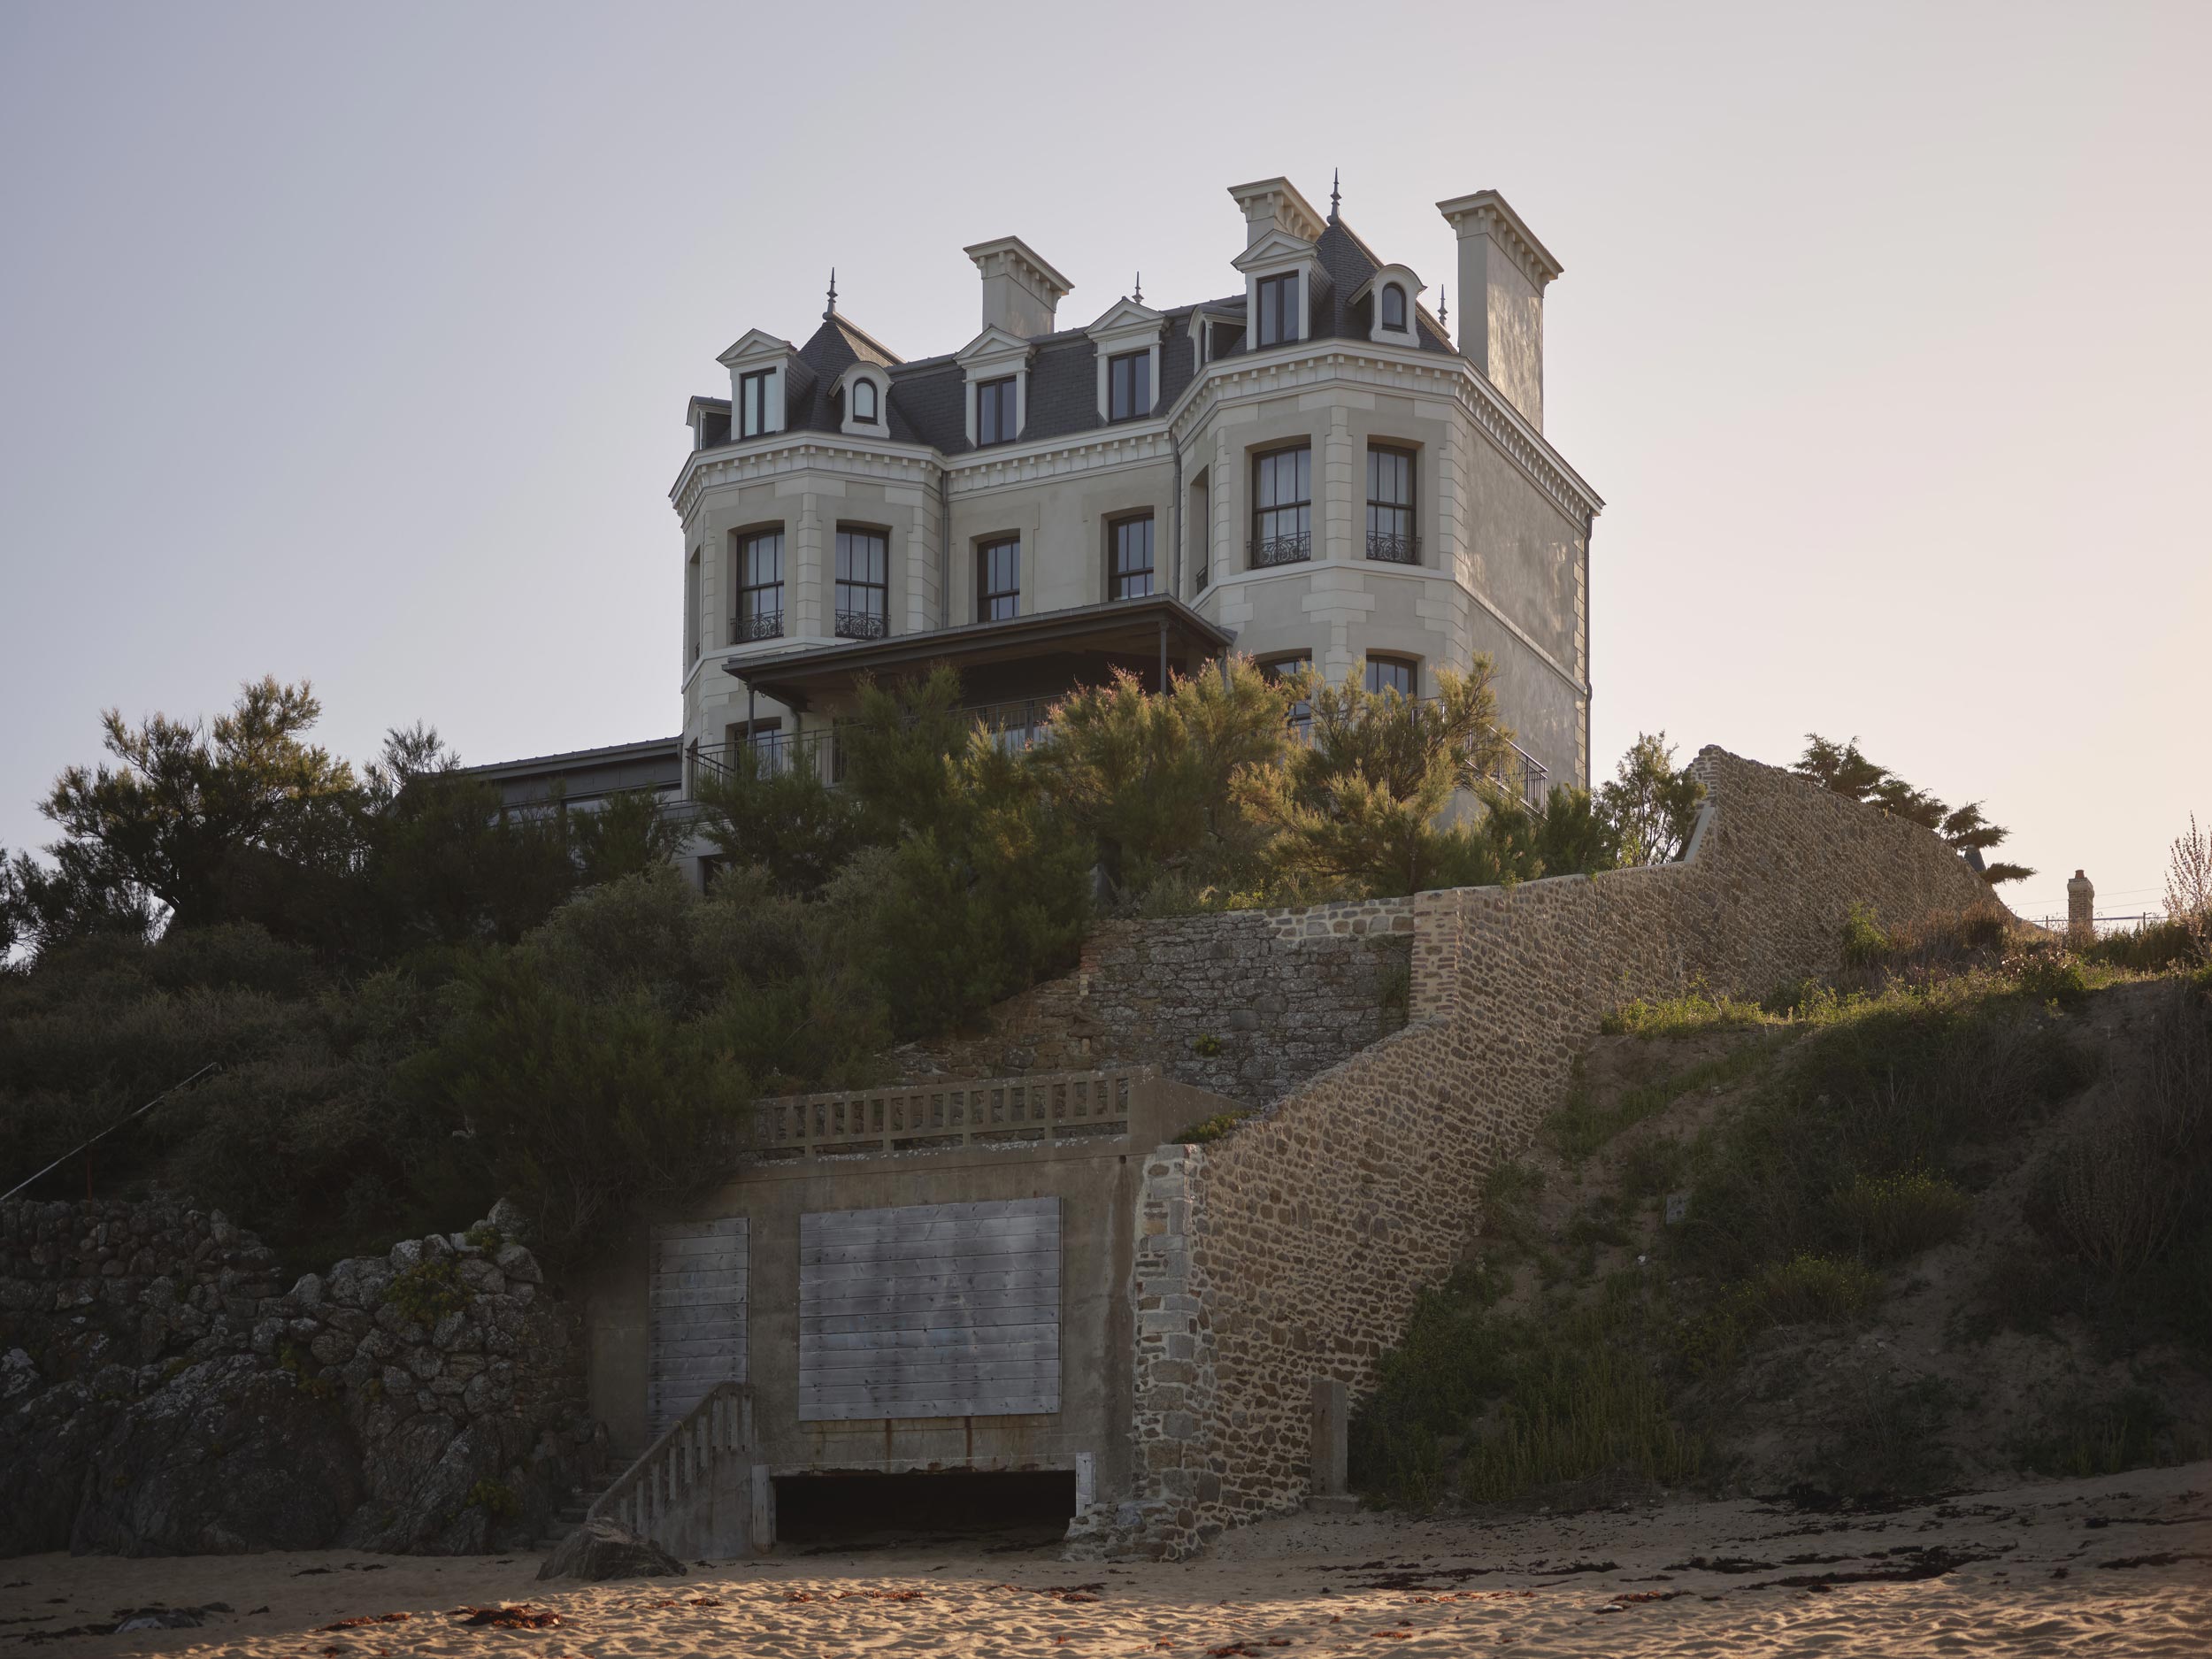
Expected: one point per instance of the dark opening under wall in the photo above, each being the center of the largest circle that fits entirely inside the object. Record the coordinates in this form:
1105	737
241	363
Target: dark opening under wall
1010	1511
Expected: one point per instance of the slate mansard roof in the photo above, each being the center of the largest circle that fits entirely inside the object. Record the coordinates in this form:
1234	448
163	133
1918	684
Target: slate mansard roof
928	403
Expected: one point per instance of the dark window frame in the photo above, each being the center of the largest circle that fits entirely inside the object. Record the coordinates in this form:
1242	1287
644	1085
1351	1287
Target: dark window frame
1275	299
1410	665
752	381
862	607
874	417
1138	367
1392	291
695	603
989	599
1391	537
1117	576
1275	541
1273	667
753	619
1005	407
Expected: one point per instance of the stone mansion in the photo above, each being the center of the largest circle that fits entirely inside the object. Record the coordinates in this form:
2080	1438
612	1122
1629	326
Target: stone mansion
1307	471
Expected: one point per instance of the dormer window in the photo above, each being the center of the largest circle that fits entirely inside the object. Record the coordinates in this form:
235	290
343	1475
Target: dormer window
756	404
1391	295
995	415
1394	306
1129	386
865	401
1278	319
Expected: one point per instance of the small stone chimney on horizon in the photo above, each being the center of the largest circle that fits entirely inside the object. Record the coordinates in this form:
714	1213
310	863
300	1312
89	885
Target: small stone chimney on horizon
2081	911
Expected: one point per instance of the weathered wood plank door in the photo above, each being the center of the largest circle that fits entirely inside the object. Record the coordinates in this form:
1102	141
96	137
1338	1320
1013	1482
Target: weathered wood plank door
932	1310
698	1309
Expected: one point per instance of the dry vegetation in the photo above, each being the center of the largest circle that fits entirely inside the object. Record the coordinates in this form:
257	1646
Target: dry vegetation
1944	1218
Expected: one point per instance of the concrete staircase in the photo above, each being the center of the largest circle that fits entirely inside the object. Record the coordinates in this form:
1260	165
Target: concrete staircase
576	1504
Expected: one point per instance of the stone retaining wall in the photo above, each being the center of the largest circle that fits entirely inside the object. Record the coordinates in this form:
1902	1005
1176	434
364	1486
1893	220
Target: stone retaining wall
1295	1247
160	1395
1245	1004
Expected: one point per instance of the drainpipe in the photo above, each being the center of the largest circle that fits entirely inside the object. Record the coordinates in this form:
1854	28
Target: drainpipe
944	543
1175	517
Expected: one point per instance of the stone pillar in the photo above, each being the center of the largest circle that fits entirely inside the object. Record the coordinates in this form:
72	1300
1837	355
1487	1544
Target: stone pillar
1331	1445
2081	911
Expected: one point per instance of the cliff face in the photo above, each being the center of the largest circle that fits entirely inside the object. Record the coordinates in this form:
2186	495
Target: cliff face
158	1395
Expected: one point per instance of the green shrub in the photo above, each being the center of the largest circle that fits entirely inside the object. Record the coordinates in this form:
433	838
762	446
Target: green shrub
1582	1125
1865	942
1809	1289
1890	1218
1208	1131
2158	948
1205	1044
2086	1437
427	1291
495	1498
1695	1013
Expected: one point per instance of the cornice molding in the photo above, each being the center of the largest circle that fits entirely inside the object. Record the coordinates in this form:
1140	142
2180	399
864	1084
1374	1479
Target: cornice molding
1003	467
759	460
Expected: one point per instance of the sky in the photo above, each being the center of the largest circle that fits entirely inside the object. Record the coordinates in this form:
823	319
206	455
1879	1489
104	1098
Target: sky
352	344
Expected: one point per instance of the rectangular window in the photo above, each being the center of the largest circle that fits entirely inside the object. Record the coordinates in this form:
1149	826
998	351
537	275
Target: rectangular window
754	402
693	588
1390	507
759	587
863	584
1129	574
771	748
994	411
1400	674
1281	668
1278	320
1282	507
1129	386
998	580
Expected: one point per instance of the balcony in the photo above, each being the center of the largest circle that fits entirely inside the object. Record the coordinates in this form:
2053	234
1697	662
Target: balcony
1268	551
862	625
1386	548
761	624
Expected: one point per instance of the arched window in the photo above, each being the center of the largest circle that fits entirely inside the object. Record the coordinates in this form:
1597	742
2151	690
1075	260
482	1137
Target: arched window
865	401
1394	306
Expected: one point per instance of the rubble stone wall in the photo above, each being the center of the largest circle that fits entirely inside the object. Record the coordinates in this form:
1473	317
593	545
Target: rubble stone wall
1245	1003
161	1393
1294	1247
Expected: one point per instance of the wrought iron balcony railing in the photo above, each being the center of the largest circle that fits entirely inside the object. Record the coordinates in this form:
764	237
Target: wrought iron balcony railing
1268	550
760	624
1391	549
861	625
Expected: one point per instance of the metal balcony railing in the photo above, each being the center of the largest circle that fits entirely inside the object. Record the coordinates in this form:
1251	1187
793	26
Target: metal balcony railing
761	624
1295	548
862	625
1391	549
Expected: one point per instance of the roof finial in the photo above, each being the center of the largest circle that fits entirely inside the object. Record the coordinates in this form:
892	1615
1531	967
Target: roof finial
1336	175
831	311
1138	294
1444	309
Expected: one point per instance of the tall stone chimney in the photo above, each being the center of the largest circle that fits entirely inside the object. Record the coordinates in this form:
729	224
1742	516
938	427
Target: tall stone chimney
2081	911
1020	291
1503	270
1275	204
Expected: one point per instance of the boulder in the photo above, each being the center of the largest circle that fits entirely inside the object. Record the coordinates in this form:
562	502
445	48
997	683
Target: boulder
603	1549
516	1262
228	1457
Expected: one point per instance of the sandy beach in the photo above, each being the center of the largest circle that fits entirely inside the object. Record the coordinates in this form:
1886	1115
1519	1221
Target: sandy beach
2121	1565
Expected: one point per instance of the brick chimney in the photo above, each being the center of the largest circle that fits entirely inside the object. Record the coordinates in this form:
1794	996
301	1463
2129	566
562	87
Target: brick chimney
1503	270
1020	291
2081	911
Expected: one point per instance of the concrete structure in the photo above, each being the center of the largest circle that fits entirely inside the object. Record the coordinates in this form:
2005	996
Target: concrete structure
2081	911
1306	471
985	1233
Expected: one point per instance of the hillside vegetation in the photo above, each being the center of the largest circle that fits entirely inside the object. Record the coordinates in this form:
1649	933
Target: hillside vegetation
1947	1218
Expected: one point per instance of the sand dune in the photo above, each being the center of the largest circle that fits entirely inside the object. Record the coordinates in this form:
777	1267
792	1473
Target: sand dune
2115	1566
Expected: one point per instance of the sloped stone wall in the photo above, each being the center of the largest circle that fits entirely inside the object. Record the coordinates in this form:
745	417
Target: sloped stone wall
1295	1247
1245	1004
160	1395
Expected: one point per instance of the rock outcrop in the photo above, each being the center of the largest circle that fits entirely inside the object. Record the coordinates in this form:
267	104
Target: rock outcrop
608	1549
158	1394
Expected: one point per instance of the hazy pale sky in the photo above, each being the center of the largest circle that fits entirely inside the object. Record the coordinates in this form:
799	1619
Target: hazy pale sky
352	344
